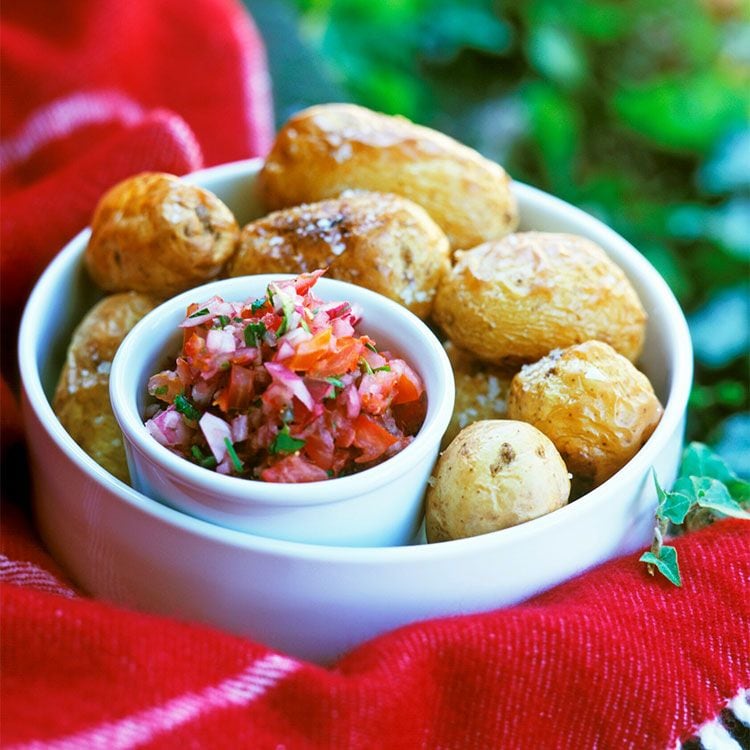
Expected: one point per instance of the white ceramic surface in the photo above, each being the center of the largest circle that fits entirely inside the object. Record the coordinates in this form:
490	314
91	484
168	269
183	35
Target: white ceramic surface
319	601
379	507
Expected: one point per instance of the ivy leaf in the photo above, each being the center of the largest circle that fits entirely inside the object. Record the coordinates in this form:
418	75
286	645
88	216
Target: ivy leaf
711	493
665	563
675	505
700	461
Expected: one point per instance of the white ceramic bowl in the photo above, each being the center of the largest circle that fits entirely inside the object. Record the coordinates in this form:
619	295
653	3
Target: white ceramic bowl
379	507
319	601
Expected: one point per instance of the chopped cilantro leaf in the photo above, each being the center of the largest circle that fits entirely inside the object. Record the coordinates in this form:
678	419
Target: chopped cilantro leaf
258	304
384	368
185	407
335	381
198	313
160	390
207	462
223	321
254	333
238	465
371	347
285	443
365	365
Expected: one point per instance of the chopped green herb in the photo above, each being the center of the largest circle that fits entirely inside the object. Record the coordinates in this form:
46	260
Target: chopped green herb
254	333
198	313
384	368
258	304
335	381
225	365
185	407
371	348
329	472
365	365
285	443
207	462
160	390
223	321
238	465
236	319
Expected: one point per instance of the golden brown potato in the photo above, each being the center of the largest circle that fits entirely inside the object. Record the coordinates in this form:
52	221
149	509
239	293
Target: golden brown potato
324	150
377	240
591	402
517	299
481	391
495	474
81	400
157	234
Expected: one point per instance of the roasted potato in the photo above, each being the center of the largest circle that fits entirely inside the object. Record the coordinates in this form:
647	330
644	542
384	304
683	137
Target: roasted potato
377	240
81	399
481	391
591	402
495	474
157	234
515	300
324	150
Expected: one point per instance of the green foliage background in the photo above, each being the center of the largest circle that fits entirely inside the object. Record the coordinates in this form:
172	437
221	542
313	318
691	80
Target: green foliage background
637	111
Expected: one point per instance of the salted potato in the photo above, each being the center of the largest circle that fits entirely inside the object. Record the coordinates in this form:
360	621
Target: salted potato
157	234
377	240
515	300
495	474
81	399
481	391
594	405
324	150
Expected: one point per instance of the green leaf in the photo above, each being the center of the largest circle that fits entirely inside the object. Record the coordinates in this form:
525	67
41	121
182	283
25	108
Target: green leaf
185	407
711	493
236	461
254	333
285	443
675	505
665	563
699	460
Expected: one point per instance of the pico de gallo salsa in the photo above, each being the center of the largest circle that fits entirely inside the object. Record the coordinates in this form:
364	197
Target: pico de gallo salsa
283	389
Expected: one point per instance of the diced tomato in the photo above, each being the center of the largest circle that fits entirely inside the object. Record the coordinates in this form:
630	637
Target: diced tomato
410	415
305	281
319	448
343	359
194	345
373	439
293	468
239	393
310	351
409	385
376	391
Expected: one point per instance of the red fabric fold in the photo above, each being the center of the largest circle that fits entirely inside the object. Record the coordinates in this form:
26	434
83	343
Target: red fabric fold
94	90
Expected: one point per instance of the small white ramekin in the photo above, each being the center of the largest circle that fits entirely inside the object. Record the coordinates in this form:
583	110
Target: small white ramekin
380	506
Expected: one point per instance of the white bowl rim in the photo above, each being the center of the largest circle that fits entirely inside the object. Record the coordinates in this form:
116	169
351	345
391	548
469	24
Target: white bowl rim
239	490
676	403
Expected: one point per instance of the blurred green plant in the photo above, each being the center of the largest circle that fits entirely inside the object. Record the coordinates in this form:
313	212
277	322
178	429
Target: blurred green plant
637	111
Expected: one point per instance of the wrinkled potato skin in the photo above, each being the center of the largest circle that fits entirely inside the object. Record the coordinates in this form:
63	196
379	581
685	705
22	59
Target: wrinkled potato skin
324	150
495	474
377	240
481	391
81	399
156	234
515	300
594	405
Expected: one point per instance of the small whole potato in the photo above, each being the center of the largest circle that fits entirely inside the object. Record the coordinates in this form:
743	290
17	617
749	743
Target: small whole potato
377	240
515	300
591	402
157	234
481	391
324	150
81	399
495	474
